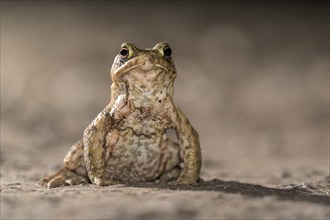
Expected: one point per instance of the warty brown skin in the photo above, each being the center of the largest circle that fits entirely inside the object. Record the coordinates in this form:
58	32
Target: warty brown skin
127	141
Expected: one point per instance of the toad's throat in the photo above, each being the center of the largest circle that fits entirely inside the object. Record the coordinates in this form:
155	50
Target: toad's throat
144	101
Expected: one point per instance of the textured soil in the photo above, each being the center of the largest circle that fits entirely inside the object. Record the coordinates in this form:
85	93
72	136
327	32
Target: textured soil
253	79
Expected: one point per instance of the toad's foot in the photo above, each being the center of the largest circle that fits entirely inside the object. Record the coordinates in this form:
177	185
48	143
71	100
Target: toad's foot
106	182
186	180
61	177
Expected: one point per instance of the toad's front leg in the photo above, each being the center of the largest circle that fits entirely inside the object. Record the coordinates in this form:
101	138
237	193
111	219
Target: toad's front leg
94	148
189	143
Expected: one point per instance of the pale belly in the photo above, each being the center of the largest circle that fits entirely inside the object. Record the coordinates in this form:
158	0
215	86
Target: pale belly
136	158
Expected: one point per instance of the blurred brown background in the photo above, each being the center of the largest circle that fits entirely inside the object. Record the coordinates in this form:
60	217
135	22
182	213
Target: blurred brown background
253	77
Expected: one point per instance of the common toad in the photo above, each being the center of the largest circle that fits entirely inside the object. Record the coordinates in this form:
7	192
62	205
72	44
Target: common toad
127	141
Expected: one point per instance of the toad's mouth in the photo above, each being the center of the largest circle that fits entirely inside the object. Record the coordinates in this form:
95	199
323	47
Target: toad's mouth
145	65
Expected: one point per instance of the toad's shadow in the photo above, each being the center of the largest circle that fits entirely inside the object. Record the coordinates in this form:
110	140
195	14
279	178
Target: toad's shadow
292	192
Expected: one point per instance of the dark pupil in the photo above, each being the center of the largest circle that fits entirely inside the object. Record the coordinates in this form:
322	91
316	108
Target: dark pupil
123	52
167	52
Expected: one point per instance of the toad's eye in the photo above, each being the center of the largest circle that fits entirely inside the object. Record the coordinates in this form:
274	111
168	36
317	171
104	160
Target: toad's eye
124	52
167	52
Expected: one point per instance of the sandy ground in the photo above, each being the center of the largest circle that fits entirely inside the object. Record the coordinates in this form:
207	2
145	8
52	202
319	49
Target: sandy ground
252	78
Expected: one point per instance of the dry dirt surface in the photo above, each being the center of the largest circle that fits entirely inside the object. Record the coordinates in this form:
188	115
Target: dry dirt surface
253	79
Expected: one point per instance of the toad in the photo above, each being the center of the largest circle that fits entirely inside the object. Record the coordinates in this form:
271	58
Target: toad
127	142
